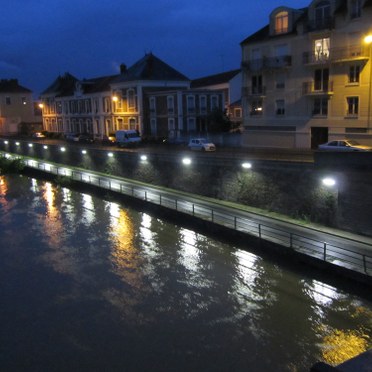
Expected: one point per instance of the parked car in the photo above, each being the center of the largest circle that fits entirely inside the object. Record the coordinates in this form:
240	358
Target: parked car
72	137
201	144
38	135
109	140
344	145
86	138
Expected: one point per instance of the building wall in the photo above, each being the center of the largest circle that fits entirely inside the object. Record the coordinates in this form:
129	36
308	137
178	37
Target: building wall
292	81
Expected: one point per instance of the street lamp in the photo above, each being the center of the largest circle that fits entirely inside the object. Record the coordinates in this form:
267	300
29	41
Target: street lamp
368	41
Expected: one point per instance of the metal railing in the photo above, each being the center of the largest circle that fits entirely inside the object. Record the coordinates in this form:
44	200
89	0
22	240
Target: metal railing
319	249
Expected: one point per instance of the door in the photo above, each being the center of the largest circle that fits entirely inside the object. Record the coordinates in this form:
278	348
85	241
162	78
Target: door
319	135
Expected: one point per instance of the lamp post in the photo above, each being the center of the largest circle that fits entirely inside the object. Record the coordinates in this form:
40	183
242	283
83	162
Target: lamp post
368	41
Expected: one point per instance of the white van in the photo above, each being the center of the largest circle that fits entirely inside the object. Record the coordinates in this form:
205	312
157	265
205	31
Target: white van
125	138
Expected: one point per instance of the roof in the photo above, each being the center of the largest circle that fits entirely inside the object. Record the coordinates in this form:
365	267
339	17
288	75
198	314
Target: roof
63	86
99	84
150	67
12	86
264	32
220	78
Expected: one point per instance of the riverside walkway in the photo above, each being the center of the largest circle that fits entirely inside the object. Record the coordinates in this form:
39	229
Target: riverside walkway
349	254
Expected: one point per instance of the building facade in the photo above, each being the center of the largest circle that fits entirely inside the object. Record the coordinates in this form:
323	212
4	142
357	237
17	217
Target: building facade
17	111
307	76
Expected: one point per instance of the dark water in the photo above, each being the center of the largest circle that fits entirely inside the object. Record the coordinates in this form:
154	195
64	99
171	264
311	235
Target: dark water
91	285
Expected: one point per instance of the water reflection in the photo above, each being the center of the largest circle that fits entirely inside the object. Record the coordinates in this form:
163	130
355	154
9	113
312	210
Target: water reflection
131	289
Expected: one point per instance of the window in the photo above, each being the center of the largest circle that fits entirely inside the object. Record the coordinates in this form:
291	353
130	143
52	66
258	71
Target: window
257	87
356	8
321	80
59	107
171	124
237	113
131	99
203	104
256	107
321	49
190	104
191	124
8	101
352	106
322	14
320	107
153	126
354	72
280	107
152	105
132	123
170	104
214	102
280	81
281	22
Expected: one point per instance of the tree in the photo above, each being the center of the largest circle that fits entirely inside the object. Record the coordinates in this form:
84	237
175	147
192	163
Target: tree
218	121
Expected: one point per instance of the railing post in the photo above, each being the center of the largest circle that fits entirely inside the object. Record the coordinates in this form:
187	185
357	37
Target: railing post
365	263
235	224
212	215
193	209
325	251
176	205
259	230
159	199
290	240
145	195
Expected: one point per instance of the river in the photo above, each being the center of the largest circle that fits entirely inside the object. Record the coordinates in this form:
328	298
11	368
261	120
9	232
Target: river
88	284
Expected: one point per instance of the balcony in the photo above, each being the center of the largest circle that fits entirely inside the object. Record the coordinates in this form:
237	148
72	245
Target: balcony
349	54
318	88
312	58
267	63
326	23
259	91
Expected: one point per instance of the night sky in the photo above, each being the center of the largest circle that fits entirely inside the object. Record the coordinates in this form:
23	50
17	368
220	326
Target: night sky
41	39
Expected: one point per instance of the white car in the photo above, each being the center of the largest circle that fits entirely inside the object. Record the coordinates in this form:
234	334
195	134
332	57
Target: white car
201	144
344	145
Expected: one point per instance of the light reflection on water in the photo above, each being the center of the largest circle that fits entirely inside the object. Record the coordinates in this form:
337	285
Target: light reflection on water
113	287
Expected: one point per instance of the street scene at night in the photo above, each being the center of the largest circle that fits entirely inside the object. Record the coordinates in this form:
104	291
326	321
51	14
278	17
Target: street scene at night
186	192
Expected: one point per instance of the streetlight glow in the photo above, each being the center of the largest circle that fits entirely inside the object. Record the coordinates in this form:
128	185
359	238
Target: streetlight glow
368	39
247	165
186	161
83	152
110	154
63	149
328	181
30	145
45	147
143	157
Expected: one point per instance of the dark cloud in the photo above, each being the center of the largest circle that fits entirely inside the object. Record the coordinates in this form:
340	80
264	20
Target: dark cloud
40	39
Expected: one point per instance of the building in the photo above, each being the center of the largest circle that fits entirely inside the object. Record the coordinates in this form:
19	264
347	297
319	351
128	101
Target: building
230	83
17	111
307	76
150	97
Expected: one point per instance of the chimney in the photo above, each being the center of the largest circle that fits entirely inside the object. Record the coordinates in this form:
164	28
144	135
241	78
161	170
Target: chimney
123	68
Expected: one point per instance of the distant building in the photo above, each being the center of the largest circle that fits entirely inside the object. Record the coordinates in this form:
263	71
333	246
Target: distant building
307	76
150	96
230	83
17	111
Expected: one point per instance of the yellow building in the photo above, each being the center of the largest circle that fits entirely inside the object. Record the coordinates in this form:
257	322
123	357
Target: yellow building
307	76
16	108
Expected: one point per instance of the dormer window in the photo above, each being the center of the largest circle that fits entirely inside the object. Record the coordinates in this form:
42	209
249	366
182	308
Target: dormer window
281	22
322	13
356	8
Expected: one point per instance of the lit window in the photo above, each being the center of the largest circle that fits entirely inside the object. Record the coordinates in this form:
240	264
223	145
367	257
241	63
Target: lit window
281	22
321	49
352	106
256	107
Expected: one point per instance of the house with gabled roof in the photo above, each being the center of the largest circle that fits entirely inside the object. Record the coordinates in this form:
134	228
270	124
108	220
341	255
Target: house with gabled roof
230	83
150	97
16	108
307	76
